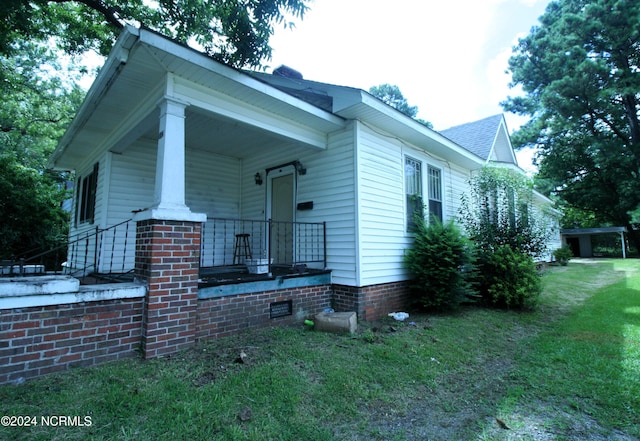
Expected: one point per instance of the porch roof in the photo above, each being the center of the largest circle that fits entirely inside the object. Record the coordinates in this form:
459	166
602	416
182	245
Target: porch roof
143	67
249	110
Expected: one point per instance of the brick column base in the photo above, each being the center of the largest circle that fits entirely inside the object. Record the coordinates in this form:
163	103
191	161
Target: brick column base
168	259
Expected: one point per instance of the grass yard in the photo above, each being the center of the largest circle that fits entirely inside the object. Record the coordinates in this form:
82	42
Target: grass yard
568	371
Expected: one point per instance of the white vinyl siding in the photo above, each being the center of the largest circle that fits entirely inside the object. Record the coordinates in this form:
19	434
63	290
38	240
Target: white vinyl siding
79	255
329	183
455	183
382	236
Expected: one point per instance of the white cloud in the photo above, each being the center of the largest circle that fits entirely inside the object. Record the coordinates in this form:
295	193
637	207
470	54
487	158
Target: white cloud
444	56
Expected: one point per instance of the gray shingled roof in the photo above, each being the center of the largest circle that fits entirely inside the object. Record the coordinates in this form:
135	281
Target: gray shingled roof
477	137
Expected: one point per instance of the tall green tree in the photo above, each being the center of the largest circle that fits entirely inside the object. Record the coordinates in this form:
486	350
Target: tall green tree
37	104
580	73
391	95
39	98
236	32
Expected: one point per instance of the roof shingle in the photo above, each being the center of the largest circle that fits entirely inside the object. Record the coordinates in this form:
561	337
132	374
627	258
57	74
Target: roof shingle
477	137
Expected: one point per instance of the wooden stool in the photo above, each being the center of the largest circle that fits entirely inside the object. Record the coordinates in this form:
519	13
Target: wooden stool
242	249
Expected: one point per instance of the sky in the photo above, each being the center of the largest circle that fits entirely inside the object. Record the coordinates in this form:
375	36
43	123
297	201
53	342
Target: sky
448	57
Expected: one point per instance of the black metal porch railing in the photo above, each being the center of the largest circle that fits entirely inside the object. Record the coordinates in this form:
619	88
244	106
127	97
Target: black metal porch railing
106	251
224	243
230	242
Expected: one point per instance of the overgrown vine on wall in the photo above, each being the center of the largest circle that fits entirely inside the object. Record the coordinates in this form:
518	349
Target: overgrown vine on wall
509	232
500	210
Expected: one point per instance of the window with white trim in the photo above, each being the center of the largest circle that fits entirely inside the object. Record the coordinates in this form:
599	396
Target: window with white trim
435	192
413	190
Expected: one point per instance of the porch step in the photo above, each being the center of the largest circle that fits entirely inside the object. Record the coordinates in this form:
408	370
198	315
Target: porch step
337	322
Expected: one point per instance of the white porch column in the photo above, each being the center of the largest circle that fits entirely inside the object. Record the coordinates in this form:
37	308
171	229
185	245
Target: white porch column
170	168
624	248
169	194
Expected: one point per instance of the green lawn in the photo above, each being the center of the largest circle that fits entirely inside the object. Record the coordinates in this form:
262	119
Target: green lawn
569	369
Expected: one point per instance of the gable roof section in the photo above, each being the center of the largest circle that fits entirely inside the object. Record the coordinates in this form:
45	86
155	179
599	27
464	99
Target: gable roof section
487	138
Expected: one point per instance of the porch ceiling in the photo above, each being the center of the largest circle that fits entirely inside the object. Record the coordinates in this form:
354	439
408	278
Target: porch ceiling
213	133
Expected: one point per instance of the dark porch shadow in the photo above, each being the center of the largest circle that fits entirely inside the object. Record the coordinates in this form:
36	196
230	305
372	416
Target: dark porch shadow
215	276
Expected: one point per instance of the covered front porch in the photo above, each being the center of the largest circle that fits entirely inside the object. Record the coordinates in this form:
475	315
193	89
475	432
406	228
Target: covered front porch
176	136
238	251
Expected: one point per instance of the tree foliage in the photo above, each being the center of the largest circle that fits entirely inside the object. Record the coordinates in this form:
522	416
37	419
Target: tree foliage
30	208
391	95
38	102
36	107
235	32
500	217
580	72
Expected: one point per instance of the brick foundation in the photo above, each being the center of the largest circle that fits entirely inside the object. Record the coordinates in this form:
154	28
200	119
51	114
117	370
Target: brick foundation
372	302
37	340
40	340
223	316
168	259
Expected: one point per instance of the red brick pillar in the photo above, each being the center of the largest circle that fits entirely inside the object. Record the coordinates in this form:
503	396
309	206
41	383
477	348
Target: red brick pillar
168	258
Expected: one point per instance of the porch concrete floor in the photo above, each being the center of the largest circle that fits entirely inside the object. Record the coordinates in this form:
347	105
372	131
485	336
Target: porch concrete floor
239	274
215	276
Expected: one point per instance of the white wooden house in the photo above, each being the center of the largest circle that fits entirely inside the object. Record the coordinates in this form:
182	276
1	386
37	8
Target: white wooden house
167	132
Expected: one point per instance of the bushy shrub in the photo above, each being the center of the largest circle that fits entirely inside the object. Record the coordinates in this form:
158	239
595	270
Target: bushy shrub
507	278
437	261
508	231
563	255
499	210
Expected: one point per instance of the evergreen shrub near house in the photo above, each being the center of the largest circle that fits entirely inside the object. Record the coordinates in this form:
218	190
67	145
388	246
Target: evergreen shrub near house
438	262
507	278
563	255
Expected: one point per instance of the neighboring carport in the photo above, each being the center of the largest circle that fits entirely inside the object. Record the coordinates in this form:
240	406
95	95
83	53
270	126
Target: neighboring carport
580	239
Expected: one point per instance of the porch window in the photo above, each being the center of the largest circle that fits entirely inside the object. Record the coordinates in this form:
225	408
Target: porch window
435	193
413	191
86	196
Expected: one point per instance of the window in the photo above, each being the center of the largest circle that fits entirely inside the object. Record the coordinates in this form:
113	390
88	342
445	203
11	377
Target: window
86	197
413	190
435	193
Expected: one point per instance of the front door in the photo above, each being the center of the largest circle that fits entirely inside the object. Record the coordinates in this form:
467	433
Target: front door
281	211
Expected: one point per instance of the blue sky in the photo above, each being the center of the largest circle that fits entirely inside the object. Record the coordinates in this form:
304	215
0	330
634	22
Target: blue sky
448	57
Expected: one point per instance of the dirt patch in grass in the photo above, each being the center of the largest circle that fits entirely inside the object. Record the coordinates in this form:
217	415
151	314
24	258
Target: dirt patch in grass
470	402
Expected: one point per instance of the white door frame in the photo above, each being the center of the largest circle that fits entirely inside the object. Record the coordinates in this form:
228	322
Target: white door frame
272	174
